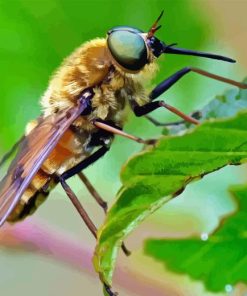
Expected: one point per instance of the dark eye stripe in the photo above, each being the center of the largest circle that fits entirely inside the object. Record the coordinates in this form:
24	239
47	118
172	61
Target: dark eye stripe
128	48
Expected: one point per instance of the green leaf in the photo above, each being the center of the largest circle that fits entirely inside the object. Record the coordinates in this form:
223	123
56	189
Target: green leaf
155	175
218	261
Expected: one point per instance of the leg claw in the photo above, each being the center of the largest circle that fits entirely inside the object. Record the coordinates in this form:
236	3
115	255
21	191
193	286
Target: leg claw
125	250
150	142
109	291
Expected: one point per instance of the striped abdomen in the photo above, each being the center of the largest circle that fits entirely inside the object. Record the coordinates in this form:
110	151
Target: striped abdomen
65	155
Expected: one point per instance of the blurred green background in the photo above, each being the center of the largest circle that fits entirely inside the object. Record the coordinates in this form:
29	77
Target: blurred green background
35	37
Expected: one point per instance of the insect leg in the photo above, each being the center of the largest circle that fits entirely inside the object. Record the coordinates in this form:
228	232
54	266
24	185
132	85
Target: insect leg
84	163
107	127
79	207
158	123
109	291
167	83
100	201
149	107
73	171
77	170
84	216
93	191
196	115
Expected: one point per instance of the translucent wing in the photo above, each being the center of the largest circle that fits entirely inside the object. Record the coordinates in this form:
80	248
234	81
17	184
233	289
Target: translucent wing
11	151
33	151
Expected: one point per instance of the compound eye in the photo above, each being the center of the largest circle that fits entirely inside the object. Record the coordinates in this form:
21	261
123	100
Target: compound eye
128	49
125	28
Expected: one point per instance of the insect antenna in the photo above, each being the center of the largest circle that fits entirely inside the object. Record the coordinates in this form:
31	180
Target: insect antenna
154	27
171	45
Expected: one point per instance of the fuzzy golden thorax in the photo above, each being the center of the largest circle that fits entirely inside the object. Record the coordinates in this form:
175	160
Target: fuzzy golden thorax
88	66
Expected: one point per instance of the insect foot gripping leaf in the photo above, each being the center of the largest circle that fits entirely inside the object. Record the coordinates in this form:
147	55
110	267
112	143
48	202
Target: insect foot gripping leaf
154	176
220	260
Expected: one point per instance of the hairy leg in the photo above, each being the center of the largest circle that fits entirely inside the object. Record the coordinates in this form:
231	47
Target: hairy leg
169	82
117	131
